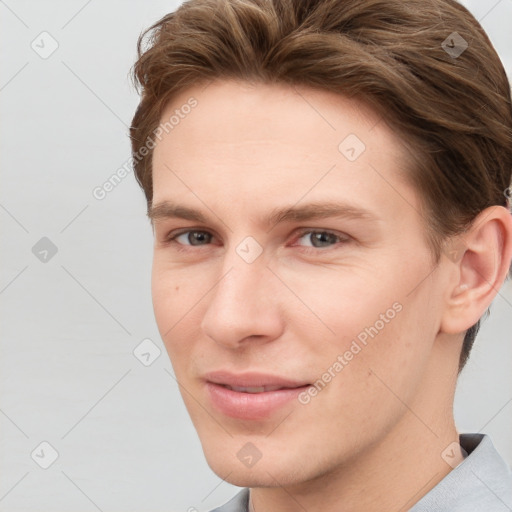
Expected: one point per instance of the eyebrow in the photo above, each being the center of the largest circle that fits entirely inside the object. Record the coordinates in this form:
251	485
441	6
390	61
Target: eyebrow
310	211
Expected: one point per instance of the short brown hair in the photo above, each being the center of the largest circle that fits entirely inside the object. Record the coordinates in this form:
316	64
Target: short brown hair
408	60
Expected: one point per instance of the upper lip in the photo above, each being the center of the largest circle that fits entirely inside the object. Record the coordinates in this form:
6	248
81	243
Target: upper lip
252	379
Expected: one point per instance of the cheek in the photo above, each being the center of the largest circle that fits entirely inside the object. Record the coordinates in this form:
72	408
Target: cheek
382	363
172	306
349	303
174	291
369	318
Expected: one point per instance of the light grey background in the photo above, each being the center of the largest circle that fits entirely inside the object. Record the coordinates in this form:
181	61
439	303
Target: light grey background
70	325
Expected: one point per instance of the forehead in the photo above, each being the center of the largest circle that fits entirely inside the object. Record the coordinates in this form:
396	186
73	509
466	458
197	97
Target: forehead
259	140
223	106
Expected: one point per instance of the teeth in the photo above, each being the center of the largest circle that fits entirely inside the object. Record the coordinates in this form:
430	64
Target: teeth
255	389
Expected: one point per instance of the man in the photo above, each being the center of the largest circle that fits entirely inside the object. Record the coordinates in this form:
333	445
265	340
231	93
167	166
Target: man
328	186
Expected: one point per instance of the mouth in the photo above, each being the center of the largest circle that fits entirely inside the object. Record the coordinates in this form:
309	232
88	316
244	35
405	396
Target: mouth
255	389
251	396
252	382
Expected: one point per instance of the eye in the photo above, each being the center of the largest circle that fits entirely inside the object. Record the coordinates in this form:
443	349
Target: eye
320	238
193	237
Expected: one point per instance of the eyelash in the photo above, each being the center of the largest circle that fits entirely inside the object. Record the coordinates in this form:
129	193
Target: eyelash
343	239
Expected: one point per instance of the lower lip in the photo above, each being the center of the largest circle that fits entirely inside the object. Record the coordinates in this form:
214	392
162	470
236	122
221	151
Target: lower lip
250	406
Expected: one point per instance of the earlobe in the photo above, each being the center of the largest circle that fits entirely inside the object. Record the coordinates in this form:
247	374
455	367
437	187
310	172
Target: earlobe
483	256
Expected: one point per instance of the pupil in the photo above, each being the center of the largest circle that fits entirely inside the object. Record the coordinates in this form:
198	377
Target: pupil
324	235
197	236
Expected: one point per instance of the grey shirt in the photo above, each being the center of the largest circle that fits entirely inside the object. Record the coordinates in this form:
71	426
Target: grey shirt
482	482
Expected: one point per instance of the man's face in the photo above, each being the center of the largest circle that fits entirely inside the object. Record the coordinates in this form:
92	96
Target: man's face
348	301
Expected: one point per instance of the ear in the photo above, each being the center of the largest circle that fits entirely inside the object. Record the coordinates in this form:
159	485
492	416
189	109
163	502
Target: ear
481	257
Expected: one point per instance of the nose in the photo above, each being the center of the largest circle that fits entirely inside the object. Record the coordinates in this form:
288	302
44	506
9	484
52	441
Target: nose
244	305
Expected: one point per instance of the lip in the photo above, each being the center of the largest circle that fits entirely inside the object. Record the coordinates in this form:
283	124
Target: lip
252	379
250	406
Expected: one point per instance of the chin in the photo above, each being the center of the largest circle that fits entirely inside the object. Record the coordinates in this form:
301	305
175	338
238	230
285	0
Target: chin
266	472
242	478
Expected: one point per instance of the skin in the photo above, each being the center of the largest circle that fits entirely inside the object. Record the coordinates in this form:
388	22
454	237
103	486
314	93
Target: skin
373	438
